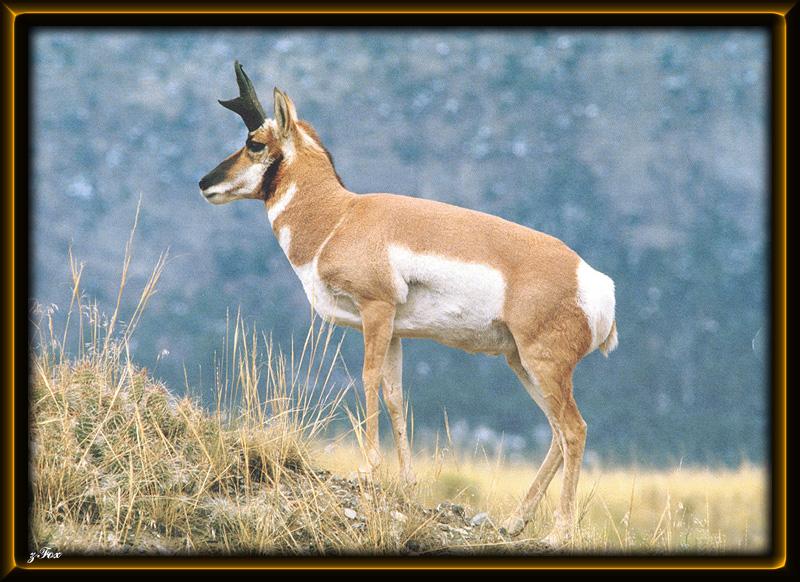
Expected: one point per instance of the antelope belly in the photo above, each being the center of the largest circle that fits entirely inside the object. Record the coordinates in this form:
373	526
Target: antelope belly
454	302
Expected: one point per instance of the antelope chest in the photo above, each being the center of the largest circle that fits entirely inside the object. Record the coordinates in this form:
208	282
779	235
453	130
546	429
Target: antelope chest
329	304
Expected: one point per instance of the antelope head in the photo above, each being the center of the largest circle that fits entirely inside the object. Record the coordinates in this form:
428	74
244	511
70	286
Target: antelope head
250	171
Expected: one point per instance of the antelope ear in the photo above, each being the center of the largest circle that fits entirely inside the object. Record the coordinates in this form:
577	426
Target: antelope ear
285	114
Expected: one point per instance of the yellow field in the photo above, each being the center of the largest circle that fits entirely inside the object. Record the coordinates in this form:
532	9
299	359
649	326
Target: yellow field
622	509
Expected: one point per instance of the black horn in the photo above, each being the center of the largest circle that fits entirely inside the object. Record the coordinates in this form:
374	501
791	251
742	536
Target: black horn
246	104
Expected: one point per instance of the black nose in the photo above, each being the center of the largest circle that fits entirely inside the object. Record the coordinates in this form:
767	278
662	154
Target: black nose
205	183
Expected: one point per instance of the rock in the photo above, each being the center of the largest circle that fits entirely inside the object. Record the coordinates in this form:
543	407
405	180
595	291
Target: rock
446	507
397	516
479	519
350	513
413	546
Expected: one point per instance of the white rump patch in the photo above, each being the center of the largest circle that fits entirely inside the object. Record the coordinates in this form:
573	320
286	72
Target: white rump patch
455	302
596	298
278	207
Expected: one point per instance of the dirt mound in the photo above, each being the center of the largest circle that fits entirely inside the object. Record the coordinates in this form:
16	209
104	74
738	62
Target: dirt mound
121	466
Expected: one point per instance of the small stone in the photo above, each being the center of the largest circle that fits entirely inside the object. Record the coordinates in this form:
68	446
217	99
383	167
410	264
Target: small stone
479	519
452	508
350	513
413	546
397	516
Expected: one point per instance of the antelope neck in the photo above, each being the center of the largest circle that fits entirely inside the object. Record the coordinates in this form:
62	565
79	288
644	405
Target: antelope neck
309	206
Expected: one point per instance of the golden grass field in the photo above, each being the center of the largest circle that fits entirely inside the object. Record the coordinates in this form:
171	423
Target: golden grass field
121	465
684	509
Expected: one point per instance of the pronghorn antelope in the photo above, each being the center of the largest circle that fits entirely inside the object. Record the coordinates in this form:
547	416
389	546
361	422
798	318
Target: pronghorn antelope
398	267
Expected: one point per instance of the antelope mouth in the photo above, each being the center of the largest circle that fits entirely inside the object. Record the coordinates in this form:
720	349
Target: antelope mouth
213	197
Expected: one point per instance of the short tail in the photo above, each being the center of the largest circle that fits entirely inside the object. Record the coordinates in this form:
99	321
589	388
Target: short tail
610	343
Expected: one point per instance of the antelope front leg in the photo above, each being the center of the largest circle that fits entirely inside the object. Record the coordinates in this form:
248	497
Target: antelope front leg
393	396
377	320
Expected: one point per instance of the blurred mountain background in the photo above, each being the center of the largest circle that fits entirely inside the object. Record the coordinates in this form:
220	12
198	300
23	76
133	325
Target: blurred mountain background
644	150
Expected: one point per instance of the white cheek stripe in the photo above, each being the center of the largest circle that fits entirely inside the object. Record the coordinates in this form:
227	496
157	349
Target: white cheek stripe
277	209
220	188
248	180
244	183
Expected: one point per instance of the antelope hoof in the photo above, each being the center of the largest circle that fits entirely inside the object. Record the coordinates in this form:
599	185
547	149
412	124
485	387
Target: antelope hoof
558	536
366	472
555	539
409	477
513	526
374	459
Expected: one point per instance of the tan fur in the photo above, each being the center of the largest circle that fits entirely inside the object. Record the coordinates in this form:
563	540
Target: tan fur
317	213
349	234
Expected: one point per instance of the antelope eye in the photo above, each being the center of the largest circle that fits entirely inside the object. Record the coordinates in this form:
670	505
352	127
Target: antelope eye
255	146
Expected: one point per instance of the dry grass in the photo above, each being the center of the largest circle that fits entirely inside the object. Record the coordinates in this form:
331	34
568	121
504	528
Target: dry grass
623	510
120	465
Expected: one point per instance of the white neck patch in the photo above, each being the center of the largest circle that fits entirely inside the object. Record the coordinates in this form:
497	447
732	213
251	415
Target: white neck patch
285	240
277	209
